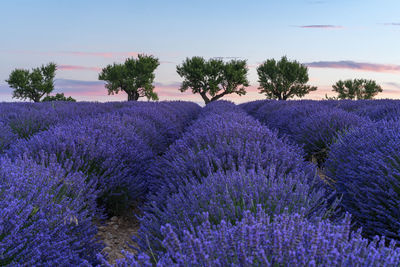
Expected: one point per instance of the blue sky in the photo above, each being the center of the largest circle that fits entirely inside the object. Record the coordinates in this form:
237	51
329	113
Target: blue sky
336	39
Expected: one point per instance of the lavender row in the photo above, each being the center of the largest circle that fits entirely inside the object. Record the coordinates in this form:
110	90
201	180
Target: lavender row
376	110
259	239
51	184
46	215
264	205
224	164
365	163
314	125
22	120
362	160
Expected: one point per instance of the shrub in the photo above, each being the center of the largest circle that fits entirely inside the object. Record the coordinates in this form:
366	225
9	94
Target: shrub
58	97
220	142
263	240
225	196
318	130
104	149
287	117
169	122
252	107
219	107
26	119
352	105
45	215
6	136
380	110
365	164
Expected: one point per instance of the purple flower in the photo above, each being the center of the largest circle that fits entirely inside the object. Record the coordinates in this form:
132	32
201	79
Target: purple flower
365	164
263	240
46	214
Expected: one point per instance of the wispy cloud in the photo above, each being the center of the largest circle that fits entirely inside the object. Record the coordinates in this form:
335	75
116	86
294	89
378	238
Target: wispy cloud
75	67
78	87
362	66
96	88
392	24
393	84
319	26
231	57
170	89
79	53
100	54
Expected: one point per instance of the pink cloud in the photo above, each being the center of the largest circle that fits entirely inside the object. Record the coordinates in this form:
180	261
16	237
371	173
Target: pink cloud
253	66
362	66
80	53
320	26
75	67
172	90
101	54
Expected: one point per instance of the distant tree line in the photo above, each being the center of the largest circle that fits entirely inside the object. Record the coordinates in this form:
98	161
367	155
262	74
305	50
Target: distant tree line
212	79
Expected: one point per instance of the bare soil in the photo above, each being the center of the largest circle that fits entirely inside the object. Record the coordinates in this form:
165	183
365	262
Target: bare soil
116	233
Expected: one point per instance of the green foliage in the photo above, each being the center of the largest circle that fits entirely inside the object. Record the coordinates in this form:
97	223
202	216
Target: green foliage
134	77
330	97
283	79
58	97
214	78
356	89
33	85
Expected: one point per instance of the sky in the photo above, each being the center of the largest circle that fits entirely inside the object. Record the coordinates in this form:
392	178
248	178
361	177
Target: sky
337	40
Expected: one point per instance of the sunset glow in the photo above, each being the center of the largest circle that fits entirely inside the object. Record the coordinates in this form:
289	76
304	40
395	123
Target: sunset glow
335	39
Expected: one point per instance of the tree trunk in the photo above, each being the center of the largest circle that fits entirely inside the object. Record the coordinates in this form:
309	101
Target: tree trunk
205	98
133	96
218	96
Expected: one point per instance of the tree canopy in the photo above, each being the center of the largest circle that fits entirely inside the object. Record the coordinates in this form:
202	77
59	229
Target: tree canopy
283	79
135	77
356	89
33	85
58	97
213	78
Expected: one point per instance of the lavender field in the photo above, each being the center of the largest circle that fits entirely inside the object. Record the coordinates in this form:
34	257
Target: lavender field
265	183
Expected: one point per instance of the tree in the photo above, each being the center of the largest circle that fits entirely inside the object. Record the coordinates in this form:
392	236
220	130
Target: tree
33	85
283	79
58	97
356	89
134	77
214	78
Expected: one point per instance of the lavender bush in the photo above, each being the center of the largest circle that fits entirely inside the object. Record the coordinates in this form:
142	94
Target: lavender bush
220	107
46	215
221	142
169	119
318	130
264	240
26	119
252	107
225	196
6	136
365	164
380	110
104	149
287	116
116	149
